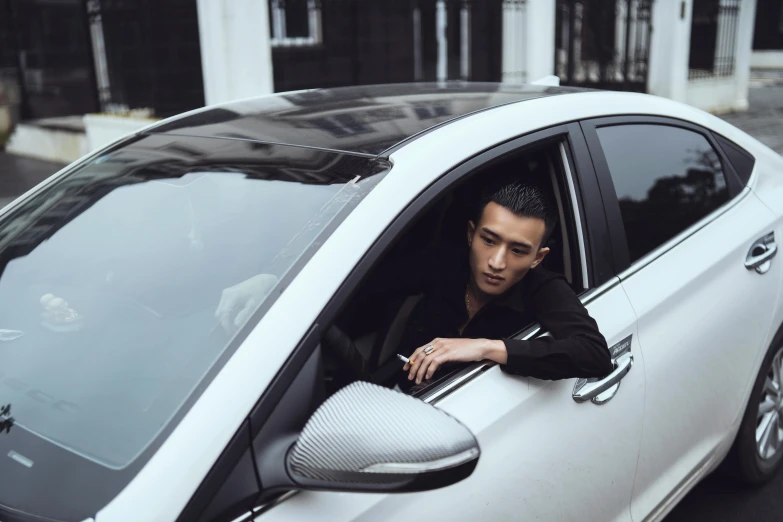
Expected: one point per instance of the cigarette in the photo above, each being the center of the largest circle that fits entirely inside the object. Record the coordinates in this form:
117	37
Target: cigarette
403	359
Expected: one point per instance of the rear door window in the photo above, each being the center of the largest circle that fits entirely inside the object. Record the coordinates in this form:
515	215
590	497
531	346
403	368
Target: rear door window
666	179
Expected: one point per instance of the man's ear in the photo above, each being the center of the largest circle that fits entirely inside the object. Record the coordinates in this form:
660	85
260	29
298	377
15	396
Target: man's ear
540	255
471	231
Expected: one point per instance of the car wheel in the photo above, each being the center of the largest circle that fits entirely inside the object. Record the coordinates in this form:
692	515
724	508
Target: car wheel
758	449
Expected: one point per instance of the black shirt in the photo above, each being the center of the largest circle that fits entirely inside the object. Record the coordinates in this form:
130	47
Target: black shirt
576	348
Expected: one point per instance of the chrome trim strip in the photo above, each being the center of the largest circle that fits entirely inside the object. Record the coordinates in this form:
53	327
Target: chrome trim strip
471	372
463	377
575	207
682	236
595	293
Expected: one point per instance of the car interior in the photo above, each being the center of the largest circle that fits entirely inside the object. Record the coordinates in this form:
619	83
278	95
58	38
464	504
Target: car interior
369	330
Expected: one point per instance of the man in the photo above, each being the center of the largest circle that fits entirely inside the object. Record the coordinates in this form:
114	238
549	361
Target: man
475	307
476	300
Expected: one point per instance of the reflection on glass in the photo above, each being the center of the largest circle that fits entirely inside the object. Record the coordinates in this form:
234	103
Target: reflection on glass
114	275
6	421
666	178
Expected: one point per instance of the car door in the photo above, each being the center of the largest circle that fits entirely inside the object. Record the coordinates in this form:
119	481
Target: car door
555	450
683	229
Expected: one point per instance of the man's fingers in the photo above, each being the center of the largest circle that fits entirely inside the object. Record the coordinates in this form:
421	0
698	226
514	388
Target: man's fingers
413	368
415	360
224	309
425	364
434	365
226	323
245	313
226	303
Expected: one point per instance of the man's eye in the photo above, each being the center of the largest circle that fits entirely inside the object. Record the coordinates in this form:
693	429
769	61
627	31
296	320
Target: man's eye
487	240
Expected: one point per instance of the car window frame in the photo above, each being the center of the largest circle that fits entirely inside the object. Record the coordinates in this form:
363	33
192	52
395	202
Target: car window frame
594	251
586	197
622	264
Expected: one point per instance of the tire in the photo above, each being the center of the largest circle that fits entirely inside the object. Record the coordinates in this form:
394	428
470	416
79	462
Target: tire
745	461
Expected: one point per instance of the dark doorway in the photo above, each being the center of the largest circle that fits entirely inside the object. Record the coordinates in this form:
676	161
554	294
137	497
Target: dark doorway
153	54
53	57
768	33
603	44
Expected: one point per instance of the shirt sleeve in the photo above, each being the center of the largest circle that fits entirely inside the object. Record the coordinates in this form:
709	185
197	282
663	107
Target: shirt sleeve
576	348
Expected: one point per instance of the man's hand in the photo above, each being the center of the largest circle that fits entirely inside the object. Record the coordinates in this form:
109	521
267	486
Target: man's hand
242	299
423	366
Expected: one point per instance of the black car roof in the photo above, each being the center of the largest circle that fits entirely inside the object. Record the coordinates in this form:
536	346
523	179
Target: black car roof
365	120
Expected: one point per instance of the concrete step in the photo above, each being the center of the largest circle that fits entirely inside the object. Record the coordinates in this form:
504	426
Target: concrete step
61	140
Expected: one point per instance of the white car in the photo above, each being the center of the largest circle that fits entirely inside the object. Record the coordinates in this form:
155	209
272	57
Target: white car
127	399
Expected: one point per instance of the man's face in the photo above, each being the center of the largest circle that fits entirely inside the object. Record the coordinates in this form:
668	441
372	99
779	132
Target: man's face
503	247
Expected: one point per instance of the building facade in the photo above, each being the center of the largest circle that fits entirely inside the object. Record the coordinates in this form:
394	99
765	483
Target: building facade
66	57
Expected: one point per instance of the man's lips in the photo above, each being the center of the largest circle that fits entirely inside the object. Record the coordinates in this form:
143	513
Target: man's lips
493	279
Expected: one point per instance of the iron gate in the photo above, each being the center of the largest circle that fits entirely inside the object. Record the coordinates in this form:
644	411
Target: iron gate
714	28
604	44
330	43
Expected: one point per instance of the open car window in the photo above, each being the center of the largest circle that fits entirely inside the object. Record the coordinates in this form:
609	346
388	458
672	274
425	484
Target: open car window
370	327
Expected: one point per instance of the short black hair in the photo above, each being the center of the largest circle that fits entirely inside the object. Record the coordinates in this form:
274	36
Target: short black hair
524	200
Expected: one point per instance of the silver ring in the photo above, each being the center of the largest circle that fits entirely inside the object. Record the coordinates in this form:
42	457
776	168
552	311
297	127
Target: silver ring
428	350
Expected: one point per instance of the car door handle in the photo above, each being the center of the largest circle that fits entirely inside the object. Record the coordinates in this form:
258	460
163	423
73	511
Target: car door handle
761	253
590	390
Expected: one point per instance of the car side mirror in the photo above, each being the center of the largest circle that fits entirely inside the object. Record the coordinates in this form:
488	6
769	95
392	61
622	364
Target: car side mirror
369	438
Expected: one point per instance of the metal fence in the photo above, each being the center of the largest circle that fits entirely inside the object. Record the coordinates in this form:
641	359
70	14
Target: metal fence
45	56
714	28
603	43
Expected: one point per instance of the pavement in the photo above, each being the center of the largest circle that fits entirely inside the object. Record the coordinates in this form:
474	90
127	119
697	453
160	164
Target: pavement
718	500
714	499
18	174
764	119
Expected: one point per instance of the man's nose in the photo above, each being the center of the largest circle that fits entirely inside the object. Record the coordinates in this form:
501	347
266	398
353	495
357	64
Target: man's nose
497	261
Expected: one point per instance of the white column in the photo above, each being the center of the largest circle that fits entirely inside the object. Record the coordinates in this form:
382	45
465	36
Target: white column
528	40
670	49
540	41
744	52
515	31
236	55
441	24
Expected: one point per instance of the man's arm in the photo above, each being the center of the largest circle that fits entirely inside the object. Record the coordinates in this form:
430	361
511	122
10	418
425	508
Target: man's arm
576	348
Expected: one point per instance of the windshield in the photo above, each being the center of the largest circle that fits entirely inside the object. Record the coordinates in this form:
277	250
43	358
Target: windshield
111	278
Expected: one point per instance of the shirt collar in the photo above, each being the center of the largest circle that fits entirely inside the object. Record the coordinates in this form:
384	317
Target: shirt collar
456	284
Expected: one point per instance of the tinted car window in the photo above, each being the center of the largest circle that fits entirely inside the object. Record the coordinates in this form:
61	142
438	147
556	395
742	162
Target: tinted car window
666	178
